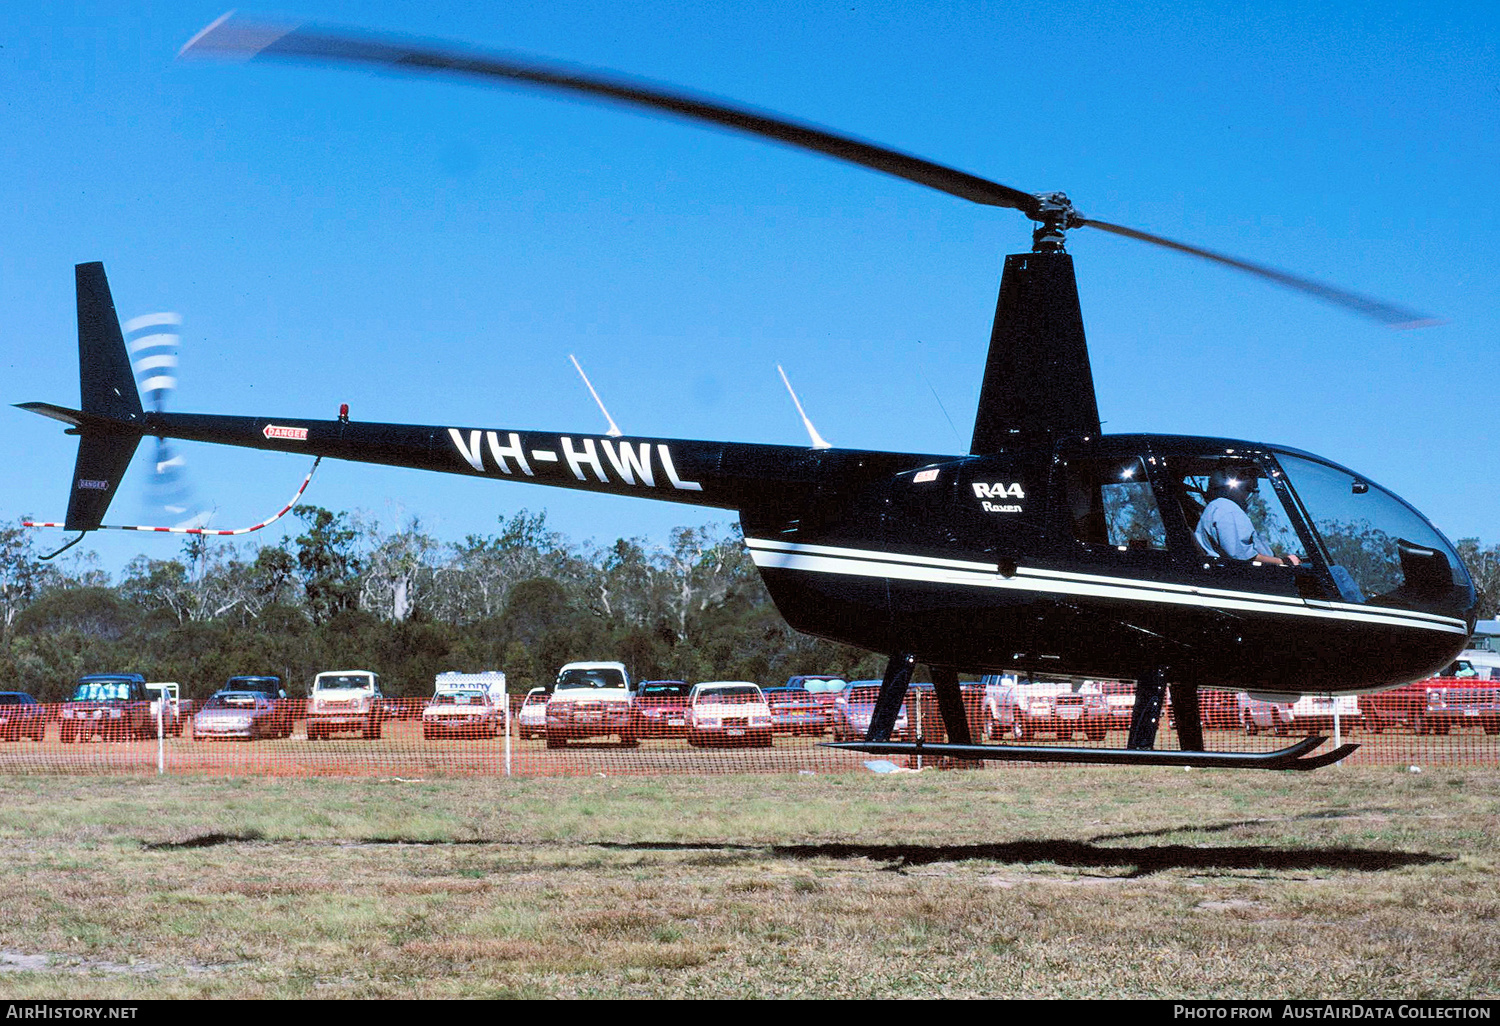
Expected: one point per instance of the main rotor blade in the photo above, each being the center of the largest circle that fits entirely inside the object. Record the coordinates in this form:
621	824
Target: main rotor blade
248	39
251	39
1394	316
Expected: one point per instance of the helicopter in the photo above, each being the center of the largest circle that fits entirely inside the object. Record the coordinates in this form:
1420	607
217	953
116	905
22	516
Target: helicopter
1049	548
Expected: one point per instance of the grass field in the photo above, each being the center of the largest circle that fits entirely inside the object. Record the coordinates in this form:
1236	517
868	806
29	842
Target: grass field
1347	883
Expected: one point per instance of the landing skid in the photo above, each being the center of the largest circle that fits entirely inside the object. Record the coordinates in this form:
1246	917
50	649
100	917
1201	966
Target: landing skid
1290	758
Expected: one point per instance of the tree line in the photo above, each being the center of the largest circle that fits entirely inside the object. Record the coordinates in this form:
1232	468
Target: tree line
347	594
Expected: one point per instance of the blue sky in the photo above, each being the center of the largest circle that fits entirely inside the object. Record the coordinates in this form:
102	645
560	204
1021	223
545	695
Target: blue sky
432	251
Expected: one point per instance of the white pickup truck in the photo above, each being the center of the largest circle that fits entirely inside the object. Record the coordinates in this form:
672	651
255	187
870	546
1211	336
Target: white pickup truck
345	700
592	700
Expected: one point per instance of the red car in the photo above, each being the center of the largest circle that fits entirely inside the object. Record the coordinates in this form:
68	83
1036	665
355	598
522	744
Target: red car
798	711
660	708
1435	706
21	716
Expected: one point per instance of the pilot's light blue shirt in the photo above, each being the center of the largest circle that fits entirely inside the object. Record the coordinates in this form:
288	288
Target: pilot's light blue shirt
1225	530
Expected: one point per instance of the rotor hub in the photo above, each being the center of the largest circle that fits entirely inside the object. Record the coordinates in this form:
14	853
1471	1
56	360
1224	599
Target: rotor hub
1055	214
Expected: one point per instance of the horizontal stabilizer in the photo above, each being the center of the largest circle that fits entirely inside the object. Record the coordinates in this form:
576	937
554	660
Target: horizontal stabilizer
1290	758
62	413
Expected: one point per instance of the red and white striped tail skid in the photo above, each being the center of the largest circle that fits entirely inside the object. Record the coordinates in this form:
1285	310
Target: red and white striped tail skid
200	530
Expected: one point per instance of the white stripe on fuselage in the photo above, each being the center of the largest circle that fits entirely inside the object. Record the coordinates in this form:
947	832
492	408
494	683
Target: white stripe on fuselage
832	559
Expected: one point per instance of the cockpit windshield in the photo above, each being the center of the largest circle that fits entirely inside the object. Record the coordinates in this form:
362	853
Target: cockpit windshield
1379	549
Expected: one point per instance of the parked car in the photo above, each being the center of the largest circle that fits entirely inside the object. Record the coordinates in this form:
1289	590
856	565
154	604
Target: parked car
855	706
661	708
462	711
825	689
728	712
111	706
282	708
531	721
1435	706
242	715
21	716
1029	708
591	700
795	710
345	700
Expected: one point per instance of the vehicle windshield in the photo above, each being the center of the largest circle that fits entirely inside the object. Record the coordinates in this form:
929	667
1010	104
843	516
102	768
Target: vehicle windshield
458	698
824	686
16	698
599	677
537	698
231	700
102	691
664	689
334	681
268	685
746	695
1380	550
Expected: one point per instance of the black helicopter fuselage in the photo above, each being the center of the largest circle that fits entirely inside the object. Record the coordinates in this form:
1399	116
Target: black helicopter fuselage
1023	561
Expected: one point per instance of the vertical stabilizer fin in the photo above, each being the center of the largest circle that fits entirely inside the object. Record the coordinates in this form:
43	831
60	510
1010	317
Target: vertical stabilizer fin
106	383
110	430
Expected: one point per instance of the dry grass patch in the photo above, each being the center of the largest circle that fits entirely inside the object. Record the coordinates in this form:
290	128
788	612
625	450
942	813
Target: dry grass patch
1035	883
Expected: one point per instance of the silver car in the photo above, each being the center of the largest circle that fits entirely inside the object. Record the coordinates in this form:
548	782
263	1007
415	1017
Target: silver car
230	715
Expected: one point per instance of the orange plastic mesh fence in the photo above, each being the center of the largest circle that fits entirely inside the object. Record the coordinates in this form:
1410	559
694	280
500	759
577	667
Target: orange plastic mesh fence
1435	722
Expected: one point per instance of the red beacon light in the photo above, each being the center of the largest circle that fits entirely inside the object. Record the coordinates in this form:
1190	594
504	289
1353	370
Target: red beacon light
343	413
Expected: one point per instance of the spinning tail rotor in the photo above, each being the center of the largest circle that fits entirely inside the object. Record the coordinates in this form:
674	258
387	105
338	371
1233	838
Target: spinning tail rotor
153	341
111	420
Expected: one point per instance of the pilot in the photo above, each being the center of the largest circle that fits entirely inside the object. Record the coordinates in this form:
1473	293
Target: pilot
1225	529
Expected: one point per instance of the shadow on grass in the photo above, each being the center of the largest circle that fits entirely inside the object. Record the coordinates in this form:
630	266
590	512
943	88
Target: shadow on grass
1136	860
202	841
1219	828
1140	861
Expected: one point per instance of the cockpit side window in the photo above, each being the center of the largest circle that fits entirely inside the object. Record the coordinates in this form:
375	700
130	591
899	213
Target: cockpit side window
1232	509
1111	505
